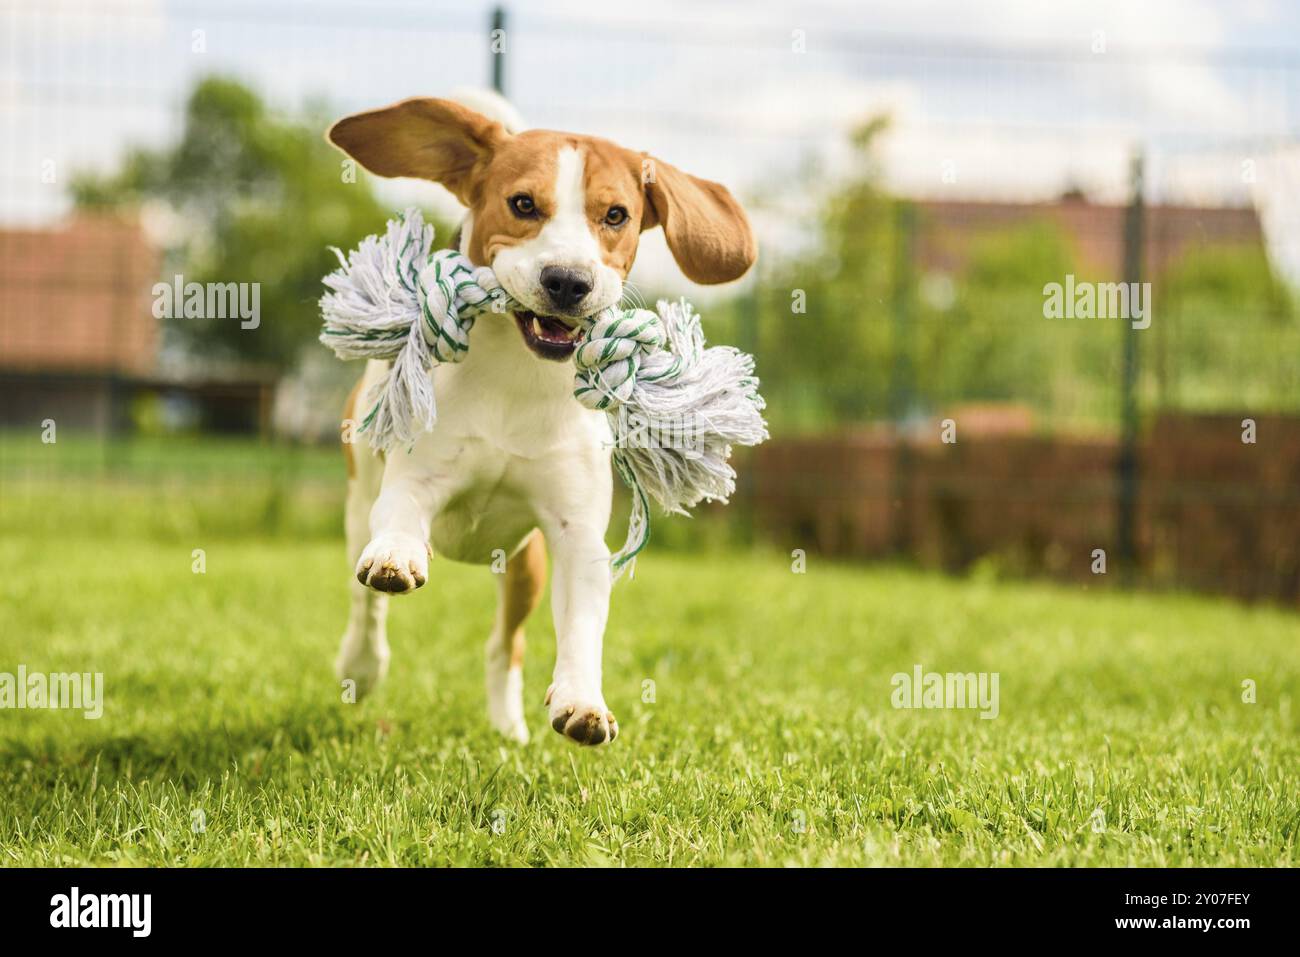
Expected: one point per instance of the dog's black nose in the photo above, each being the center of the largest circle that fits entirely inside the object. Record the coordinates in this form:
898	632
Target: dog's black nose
565	287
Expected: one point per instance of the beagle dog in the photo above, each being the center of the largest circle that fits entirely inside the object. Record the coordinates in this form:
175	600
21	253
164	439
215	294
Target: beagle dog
515	465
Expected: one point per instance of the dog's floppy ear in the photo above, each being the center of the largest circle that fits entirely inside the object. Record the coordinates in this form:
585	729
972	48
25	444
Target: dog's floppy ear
706	229
427	138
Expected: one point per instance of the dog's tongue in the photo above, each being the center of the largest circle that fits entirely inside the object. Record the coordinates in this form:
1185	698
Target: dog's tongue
553	330
554	327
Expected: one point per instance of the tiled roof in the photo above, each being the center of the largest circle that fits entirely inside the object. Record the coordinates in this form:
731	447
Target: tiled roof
78	298
1096	232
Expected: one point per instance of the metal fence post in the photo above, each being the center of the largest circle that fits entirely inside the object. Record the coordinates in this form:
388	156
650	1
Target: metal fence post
497	31
747	340
1127	472
901	385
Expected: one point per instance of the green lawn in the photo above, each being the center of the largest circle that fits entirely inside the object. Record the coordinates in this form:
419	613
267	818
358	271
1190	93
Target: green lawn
1122	736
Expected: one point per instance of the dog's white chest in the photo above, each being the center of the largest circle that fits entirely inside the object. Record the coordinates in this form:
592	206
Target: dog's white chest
509	433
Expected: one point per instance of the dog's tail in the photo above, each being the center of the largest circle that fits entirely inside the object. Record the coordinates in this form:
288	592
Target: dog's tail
492	105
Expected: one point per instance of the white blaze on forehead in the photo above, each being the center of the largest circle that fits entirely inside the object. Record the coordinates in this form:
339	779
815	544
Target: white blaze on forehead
570	194
566	239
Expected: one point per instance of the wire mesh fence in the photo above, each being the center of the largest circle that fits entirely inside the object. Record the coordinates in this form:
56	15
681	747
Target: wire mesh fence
975	261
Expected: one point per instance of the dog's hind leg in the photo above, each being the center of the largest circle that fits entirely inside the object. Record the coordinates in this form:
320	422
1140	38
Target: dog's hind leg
518	592
363	653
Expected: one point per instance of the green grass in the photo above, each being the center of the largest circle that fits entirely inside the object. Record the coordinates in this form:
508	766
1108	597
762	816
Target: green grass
770	740
1122	736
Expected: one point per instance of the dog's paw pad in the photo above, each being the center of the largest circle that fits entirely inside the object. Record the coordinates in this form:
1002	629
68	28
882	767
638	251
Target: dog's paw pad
394	565
588	724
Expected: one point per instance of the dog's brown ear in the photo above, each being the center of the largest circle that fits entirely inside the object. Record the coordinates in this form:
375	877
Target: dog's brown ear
427	138
706	229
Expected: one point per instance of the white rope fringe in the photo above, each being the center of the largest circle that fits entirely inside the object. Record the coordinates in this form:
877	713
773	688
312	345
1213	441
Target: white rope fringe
675	406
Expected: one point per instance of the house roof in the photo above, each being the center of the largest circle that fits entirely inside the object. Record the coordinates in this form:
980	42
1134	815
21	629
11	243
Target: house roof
78	298
1096	232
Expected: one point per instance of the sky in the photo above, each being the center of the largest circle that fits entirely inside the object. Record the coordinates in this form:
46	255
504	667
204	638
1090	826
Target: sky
992	100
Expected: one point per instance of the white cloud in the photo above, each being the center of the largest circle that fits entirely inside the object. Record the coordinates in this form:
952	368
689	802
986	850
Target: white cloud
713	87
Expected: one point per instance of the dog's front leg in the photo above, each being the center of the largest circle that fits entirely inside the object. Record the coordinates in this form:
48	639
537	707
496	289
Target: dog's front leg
580	601
397	558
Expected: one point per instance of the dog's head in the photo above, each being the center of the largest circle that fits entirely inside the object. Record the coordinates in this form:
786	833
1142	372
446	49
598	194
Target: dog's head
557	216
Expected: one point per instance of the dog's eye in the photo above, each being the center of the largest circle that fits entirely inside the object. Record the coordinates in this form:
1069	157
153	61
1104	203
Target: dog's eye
616	216
523	206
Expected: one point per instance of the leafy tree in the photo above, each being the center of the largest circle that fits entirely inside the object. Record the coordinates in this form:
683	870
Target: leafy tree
1227	334
830	361
992	341
258	198
877	340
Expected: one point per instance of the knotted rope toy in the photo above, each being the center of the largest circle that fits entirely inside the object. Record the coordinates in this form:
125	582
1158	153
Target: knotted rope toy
675	407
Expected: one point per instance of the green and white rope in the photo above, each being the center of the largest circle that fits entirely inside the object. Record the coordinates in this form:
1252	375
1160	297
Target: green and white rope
396	298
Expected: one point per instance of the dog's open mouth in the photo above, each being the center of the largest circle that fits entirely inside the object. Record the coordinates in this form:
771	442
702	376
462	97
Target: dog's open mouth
549	337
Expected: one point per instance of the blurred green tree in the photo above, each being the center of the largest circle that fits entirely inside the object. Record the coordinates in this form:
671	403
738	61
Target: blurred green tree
824	337
1230	336
881	337
991	342
857	326
255	197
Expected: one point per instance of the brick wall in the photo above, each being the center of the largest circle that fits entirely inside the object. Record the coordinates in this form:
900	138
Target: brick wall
1213	513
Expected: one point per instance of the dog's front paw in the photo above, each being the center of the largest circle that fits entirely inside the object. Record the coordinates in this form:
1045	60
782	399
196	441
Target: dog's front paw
394	563
581	718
